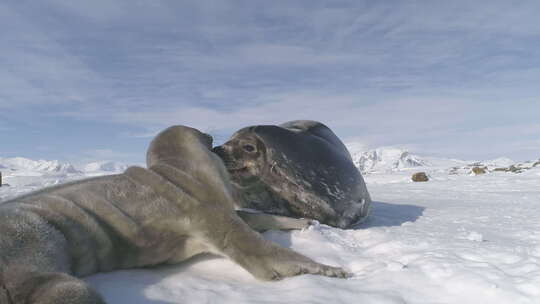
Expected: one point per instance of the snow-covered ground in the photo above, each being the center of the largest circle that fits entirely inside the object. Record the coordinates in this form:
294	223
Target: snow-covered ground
459	238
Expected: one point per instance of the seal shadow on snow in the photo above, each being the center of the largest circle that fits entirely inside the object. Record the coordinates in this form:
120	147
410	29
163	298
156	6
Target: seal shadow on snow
388	214
382	215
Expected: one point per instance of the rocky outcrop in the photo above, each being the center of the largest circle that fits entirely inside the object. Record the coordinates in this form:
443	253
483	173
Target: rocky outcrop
420	177
479	170
512	168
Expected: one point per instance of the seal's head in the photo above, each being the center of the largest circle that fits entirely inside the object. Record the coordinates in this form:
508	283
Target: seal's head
298	169
244	156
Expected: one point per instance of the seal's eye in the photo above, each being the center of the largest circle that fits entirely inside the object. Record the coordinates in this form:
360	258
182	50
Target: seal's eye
249	148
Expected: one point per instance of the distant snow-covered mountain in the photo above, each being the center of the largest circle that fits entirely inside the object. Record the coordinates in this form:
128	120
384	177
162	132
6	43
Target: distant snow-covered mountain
21	164
391	159
386	159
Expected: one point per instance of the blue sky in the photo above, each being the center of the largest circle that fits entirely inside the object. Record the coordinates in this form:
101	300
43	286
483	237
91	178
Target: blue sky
85	80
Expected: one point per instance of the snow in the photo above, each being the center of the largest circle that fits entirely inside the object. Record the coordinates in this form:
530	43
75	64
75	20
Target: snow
455	239
104	166
500	162
475	236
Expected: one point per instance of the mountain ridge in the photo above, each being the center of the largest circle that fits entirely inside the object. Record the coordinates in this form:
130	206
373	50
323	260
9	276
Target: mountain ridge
389	159
21	165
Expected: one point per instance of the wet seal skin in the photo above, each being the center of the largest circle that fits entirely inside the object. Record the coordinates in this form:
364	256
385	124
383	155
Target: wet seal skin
299	169
179	207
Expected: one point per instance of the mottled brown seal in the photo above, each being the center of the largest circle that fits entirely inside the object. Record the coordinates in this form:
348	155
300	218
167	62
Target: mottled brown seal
300	169
179	207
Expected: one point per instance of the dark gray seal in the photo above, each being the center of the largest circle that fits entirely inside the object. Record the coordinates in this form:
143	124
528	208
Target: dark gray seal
179	207
299	169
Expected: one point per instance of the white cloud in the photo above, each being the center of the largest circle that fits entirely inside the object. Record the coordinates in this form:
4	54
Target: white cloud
36	68
423	74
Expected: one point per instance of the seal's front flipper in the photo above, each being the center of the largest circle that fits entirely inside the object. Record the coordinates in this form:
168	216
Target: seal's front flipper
262	258
264	221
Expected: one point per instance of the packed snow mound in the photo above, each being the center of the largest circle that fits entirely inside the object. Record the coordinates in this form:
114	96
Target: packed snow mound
40	166
386	159
107	166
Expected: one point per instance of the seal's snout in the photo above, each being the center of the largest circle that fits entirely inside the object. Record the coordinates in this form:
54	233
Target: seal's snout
222	152
217	149
227	155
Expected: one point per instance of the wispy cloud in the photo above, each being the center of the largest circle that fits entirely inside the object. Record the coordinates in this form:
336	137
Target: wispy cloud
105	154
427	74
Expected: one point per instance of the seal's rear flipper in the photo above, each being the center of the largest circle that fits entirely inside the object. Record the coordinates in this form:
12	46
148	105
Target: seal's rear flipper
49	288
264	221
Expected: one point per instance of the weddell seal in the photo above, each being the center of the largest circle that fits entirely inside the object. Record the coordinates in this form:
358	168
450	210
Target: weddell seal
299	169
179	207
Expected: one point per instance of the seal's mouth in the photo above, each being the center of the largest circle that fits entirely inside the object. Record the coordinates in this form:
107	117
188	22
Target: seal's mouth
237	170
233	167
